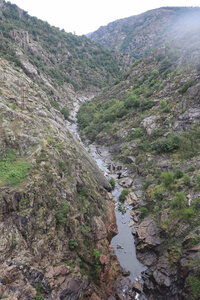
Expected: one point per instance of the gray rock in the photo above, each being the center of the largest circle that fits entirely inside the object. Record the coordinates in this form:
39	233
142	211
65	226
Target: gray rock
126	182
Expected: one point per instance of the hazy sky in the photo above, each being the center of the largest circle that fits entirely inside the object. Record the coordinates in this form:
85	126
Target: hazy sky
84	16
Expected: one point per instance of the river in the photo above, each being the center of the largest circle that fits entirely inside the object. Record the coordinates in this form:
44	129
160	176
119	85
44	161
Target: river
123	243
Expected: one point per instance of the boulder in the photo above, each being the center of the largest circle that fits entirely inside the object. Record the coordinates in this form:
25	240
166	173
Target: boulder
149	124
99	228
147	233
126	182
132	199
137	286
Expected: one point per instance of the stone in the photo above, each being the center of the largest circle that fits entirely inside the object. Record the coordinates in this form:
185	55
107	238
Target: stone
94	297
126	182
99	228
132	199
149	124
129	159
62	270
147	233
137	286
161	279
104	260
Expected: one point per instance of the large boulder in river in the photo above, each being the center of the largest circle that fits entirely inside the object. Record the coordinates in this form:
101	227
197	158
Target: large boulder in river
148	233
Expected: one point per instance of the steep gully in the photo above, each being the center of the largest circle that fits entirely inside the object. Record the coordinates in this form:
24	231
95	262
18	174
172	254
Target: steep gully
123	243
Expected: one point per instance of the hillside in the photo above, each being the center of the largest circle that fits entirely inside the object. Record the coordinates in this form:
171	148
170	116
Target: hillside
139	35
49	54
56	211
150	122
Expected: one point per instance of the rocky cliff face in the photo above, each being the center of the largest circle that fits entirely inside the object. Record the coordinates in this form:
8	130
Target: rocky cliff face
138	35
56	212
150	122
56	216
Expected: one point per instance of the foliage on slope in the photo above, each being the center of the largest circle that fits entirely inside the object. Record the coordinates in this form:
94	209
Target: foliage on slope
139	35
62	57
151	122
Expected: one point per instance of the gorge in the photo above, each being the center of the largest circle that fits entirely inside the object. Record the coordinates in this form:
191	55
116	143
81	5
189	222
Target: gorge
137	109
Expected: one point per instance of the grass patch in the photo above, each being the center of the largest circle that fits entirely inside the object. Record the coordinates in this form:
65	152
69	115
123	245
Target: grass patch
13	169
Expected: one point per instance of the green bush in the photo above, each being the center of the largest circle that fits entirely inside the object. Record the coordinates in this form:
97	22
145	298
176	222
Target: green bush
186	86
191	168
143	212
198	180
194	283
65	112
164	106
123	195
112	182
179	201
187	213
167	178
178	174
61	214
95	263
169	144
186	179
73	244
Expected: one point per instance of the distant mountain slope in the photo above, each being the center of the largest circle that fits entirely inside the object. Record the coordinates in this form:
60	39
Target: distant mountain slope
137	35
45	52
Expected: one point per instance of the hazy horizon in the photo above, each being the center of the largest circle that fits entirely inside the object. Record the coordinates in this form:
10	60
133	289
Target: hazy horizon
83	17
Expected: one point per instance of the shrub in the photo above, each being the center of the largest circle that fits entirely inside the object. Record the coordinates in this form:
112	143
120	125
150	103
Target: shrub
167	178
186	179
123	195
169	144
95	263
112	183
178	174
122	209
186	86
187	213
179	201
191	168
194	283
164	106
73	244
65	112
143	212
198	180
61	213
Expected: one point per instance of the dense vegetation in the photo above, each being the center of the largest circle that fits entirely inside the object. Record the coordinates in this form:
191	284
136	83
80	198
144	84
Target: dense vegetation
63	57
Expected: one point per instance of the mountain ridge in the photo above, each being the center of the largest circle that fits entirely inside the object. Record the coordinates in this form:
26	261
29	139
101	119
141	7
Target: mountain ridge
139	34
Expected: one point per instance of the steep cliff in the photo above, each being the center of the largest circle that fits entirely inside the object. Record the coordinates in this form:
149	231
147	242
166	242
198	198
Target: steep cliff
56	212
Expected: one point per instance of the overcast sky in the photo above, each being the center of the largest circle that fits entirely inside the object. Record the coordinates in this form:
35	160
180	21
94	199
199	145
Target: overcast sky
84	16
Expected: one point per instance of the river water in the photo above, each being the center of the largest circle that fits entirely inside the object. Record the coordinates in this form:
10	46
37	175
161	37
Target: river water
123	243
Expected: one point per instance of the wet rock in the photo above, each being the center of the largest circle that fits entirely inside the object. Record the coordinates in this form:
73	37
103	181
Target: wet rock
126	182
137	286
